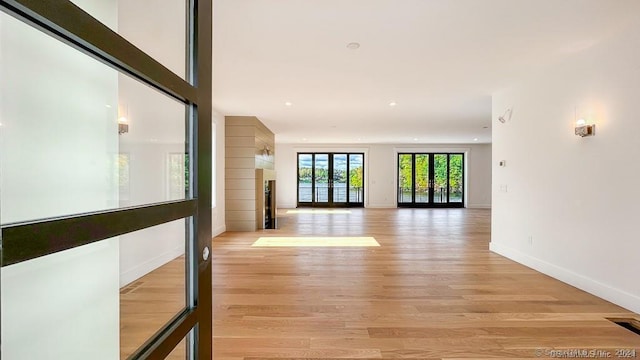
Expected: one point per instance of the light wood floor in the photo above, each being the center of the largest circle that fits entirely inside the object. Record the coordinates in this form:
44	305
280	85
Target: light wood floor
432	290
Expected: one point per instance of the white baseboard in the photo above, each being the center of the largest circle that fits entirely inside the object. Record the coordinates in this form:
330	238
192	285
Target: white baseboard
479	206
286	206
381	206
148	266
616	296
219	230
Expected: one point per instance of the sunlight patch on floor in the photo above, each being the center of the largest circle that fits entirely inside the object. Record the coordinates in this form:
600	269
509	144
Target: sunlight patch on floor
303	241
318	211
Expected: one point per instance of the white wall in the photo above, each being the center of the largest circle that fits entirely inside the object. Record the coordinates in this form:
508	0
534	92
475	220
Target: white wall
381	169
58	145
570	205
218	208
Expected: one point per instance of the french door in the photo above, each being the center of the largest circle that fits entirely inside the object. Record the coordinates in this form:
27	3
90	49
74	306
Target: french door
431	180
331	179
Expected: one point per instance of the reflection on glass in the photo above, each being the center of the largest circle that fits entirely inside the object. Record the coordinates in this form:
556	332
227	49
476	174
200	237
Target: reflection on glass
149	297
422	178
356	178
305	176
405	178
339	183
180	351
321	168
178	167
455	178
123	176
440	178
157	27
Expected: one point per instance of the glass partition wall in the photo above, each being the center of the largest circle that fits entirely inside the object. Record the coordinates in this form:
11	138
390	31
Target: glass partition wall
430	180
105	179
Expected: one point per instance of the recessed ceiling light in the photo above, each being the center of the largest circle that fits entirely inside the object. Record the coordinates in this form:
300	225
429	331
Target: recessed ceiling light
353	46
288	104
475	139
304	139
393	103
415	139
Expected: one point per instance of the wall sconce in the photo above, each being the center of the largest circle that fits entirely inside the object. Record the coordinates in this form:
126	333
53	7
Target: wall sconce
582	129
123	126
123	121
506	116
266	151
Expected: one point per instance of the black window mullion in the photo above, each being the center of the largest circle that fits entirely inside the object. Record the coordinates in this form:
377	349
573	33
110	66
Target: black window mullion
25	241
313	178
449	178
464	190
413	179
65	20
432	178
330	179
348	200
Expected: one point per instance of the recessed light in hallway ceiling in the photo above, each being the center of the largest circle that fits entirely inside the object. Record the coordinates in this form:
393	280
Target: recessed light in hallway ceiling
393	103
288	104
353	46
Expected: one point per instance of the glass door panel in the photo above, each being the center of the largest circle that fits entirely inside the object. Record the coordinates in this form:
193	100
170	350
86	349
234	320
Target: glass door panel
305	178
441	172
456	180
422	178
339	178
321	178
356	176
405	178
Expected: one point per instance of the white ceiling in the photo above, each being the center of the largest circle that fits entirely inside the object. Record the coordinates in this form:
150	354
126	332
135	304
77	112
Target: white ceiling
440	60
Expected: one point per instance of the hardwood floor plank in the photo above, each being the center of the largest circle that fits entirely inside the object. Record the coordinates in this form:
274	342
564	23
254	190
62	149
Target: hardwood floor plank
432	290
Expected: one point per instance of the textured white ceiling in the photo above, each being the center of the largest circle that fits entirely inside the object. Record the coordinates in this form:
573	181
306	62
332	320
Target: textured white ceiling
440	60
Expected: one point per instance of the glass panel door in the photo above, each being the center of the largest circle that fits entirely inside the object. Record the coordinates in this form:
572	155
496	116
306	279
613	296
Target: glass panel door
456	180
422	180
356	177
440	179
305	178
405	178
339	178
105	160
321	178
